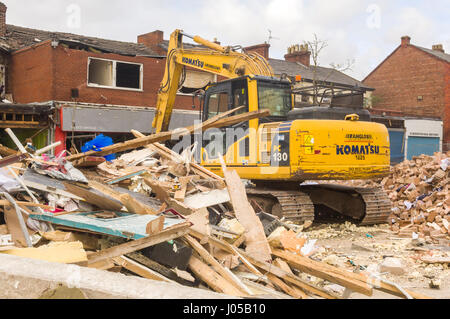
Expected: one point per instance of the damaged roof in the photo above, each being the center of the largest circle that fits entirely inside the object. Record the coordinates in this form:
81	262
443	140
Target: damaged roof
19	37
165	45
293	69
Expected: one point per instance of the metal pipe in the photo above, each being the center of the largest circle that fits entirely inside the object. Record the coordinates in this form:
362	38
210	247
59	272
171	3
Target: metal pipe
16	140
206	43
48	148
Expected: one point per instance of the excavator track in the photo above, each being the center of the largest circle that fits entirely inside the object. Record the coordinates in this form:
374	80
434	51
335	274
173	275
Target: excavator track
363	206
294	206
378	206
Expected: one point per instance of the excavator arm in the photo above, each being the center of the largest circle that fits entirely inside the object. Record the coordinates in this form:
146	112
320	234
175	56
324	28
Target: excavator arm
213	58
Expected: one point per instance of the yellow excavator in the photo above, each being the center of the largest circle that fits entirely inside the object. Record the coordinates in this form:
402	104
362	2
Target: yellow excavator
280	152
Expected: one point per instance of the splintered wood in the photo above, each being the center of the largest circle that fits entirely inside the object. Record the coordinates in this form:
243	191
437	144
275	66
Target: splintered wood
204	231
255	239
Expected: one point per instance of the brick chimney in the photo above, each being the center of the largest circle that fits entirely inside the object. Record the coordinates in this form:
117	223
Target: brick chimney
262	49
152	40
406	40
438	47
3	9
299	53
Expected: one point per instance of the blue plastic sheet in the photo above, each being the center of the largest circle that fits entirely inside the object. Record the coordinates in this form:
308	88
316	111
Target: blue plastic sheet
97	144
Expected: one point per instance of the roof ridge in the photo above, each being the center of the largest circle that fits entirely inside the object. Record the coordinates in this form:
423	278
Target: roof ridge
22	37
445	56
74	34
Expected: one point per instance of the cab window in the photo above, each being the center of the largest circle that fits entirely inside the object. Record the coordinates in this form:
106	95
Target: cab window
240	99
218	104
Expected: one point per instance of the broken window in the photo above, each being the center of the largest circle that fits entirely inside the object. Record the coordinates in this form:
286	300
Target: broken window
101	72
115	74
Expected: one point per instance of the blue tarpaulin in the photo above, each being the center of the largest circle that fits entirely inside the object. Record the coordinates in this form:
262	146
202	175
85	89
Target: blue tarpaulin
97	144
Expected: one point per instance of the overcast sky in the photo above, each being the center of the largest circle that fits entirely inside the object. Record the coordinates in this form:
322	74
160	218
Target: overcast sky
360	30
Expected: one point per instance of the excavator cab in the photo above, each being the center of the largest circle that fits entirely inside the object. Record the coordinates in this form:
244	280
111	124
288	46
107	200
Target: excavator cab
253	92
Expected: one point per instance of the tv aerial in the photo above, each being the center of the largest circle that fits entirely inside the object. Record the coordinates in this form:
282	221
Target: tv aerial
271	37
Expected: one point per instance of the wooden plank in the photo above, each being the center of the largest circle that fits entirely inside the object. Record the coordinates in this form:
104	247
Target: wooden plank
166	272
200	221
166	235
155	226
26	204
319	270
255	238
125	177
171	155
207	199
181	194
213	279
280	263
284	287
61	252
435	260
163	196
89	161
100	200
46	184
165	136
104	189
136	207
6	151
265	290
305	286
13	223
106	264
225	273
226	247
140	269
266	267
283	265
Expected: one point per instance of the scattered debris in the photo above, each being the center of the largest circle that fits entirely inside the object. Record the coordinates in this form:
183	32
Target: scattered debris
158	215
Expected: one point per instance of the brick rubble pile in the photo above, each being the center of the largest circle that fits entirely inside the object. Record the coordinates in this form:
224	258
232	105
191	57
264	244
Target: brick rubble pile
419	190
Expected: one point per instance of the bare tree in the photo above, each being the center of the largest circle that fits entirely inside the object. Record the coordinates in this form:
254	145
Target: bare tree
316	46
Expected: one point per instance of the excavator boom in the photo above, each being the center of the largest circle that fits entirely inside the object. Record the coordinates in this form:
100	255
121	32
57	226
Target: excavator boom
212	58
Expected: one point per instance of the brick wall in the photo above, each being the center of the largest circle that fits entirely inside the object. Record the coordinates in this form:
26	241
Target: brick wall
407	74
262	49
31	74
43	73
447	111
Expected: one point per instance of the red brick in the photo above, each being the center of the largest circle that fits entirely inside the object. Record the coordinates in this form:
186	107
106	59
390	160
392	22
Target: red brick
408	73
42	73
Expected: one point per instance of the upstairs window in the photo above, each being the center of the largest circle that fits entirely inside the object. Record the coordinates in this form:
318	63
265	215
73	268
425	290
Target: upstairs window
115	74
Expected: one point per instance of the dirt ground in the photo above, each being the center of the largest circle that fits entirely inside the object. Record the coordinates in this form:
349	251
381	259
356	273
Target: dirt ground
364	248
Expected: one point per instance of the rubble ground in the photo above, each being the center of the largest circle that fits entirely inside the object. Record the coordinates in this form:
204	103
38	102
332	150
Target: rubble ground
156	214
354	248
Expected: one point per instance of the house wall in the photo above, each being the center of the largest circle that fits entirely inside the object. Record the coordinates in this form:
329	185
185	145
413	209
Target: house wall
42	73
407	74
446	118
31	74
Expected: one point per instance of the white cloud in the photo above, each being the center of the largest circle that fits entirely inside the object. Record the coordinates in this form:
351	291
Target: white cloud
412	22
246	22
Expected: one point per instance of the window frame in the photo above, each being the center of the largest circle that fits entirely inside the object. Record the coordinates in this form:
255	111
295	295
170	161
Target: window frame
114	75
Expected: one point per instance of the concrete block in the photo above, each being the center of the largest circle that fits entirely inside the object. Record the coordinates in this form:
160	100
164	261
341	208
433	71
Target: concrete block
393	266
